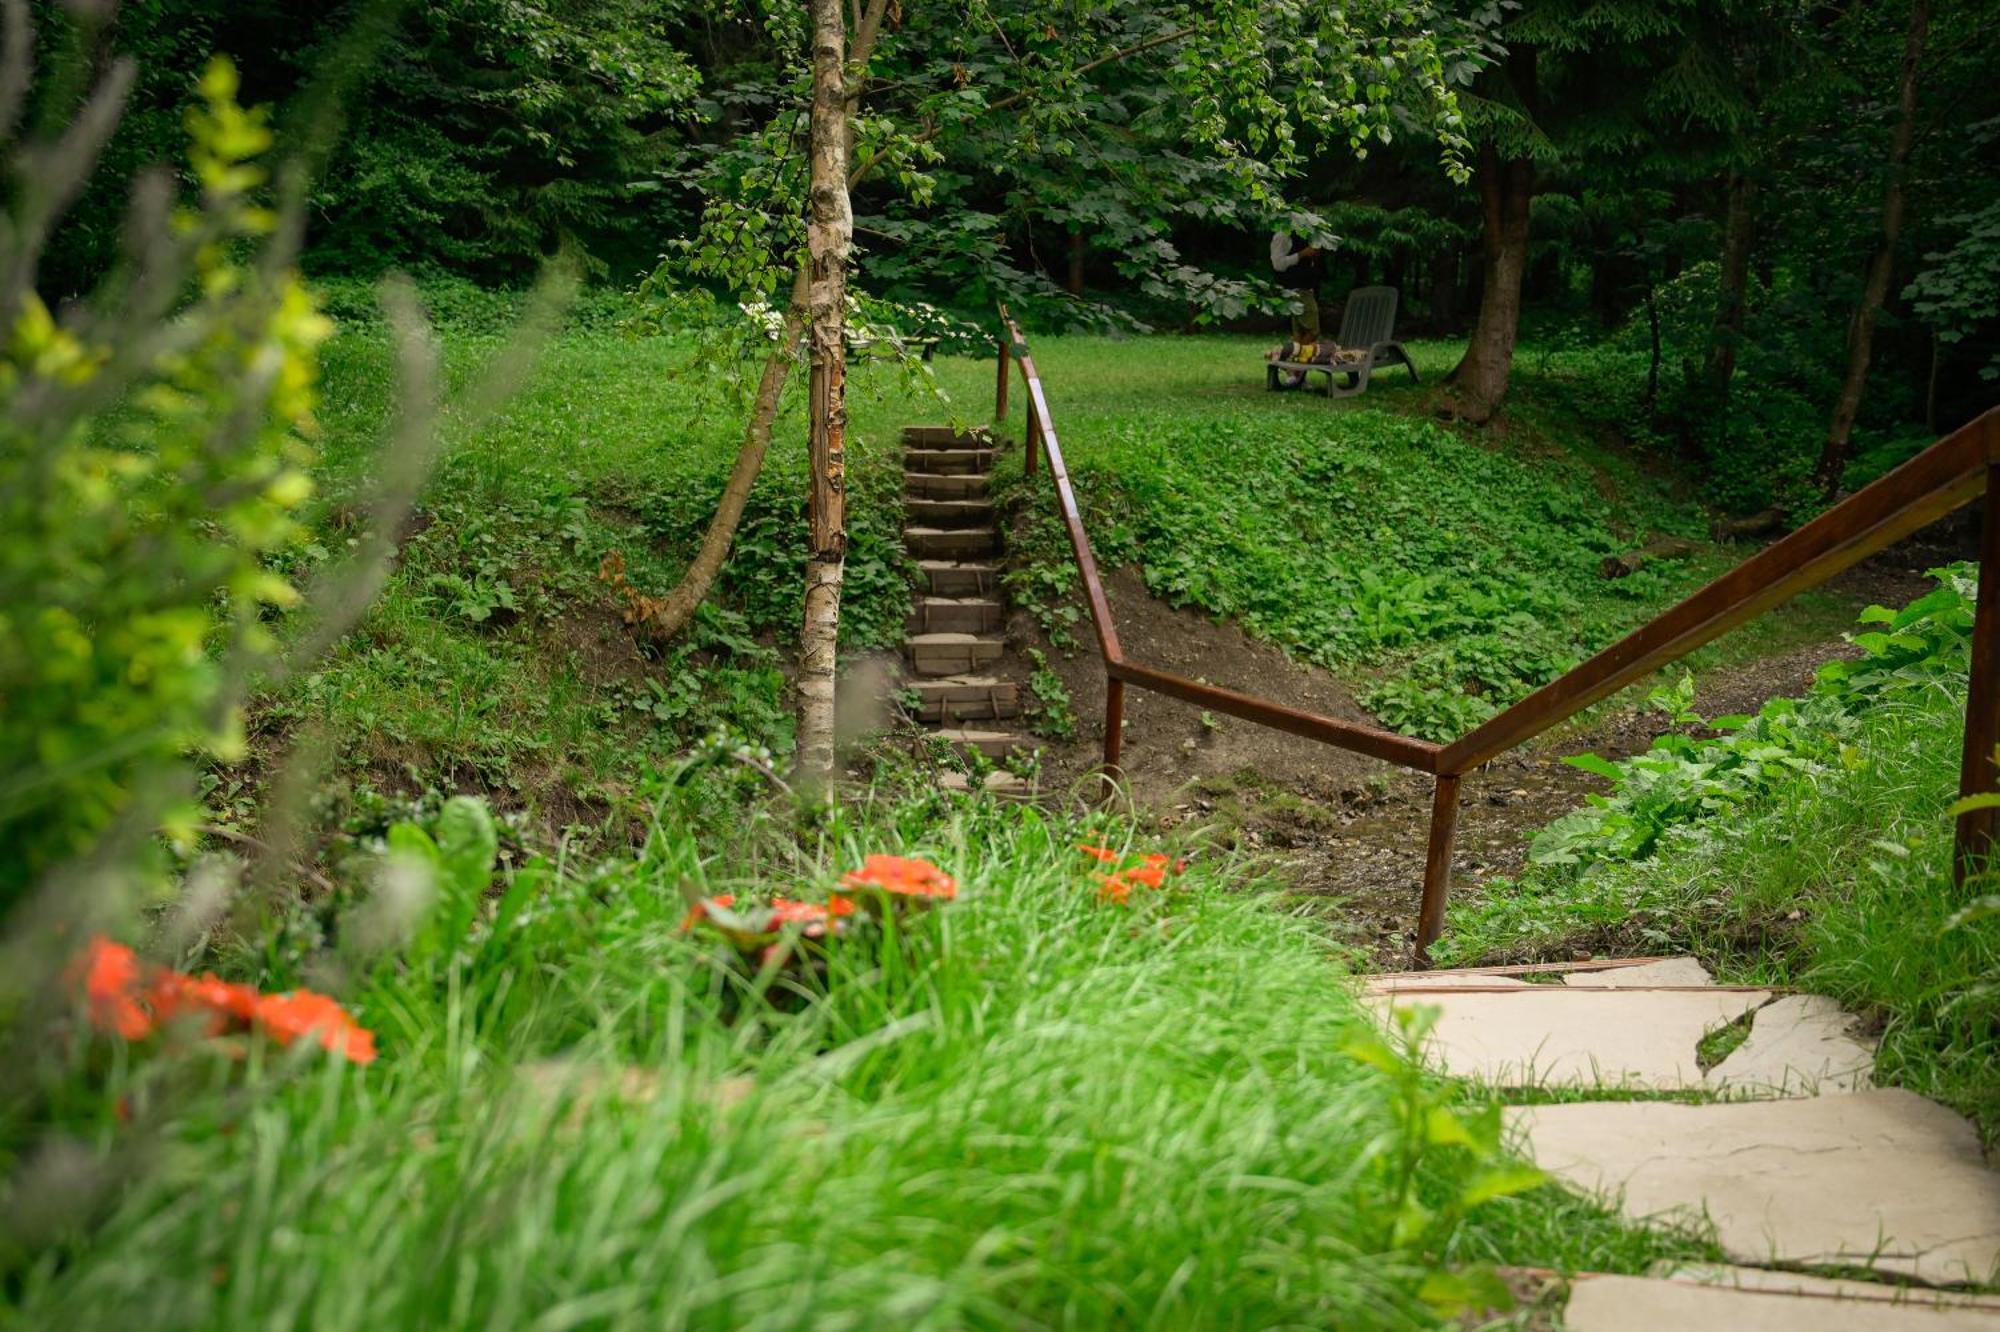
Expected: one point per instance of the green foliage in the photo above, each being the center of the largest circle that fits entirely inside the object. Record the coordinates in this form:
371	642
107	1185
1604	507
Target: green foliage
1038	1106
1958	292
1831	872
977	125
150	469
1351	536
479	136
1051	712
1683	781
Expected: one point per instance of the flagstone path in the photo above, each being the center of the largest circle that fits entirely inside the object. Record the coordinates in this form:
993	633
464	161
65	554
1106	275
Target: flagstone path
1787	1153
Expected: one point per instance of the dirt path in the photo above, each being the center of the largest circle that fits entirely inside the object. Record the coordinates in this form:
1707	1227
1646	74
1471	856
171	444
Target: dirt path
1344	828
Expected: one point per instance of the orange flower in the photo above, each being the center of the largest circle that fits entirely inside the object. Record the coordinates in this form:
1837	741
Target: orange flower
815	916
1113	888
1102	854
287	1017
132	1001
111	984
1160	862
1152	876
699	911
222	1003
902	876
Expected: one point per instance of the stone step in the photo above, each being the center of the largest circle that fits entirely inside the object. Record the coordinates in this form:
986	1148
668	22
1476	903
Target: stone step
935	485
947	542
953	698
952	654
959	578
993	744
948	462
949	512
955	615
946	437
1752	1300
1508	1034
1879	1179
1612	1028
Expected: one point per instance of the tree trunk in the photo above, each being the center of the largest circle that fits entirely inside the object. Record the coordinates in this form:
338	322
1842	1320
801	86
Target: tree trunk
1479	383
1739	230
1881	267
829	232
1076	255
663	617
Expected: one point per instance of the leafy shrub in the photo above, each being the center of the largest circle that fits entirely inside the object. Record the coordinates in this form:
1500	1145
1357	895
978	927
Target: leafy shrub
154	455
1682	781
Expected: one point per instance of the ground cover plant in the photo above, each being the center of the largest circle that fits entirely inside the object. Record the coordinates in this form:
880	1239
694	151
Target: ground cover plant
494	656
1809	845
1449	574
1036	1099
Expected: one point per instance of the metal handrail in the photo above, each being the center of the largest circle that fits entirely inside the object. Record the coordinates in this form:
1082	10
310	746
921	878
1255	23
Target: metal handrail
1943	478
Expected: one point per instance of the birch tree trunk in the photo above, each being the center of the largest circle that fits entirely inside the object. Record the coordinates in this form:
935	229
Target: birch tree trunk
1881	267
829	231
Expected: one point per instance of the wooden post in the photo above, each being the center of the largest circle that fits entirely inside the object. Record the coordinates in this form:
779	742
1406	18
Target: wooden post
1979	830
1114	728
1437	865
1000	387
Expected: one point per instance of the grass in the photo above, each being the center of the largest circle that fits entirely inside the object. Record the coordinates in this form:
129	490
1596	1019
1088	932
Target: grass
1031	1109
1446	572
1838	883
494	659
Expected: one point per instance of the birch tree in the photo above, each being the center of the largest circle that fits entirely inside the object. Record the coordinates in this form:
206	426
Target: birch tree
828	236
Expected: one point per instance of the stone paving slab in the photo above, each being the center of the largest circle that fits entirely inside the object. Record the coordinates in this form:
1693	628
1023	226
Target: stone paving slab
1801	1283
1676	971
1882	1179
1802	1044
1554	1036
1641	1304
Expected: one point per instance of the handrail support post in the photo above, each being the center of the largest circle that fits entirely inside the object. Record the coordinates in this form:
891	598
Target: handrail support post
1000	385
1437	865
1114	728
1979	771
1033	444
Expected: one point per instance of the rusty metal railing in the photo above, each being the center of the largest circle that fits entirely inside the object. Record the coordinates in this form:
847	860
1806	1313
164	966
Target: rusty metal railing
1943	478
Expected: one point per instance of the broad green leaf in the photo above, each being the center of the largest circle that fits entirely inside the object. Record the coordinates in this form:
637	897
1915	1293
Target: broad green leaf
1501	1182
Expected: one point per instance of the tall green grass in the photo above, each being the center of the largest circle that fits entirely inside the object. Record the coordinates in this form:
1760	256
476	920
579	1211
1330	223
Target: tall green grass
1034	1110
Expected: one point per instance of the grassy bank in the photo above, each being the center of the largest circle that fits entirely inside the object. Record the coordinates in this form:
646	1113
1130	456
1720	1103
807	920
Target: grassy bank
1443	572
1446	572
1028	1105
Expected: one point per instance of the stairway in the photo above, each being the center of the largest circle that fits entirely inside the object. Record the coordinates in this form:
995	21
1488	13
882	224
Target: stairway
1782	1146
956	646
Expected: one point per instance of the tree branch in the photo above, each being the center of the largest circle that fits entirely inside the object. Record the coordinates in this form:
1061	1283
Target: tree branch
867	28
